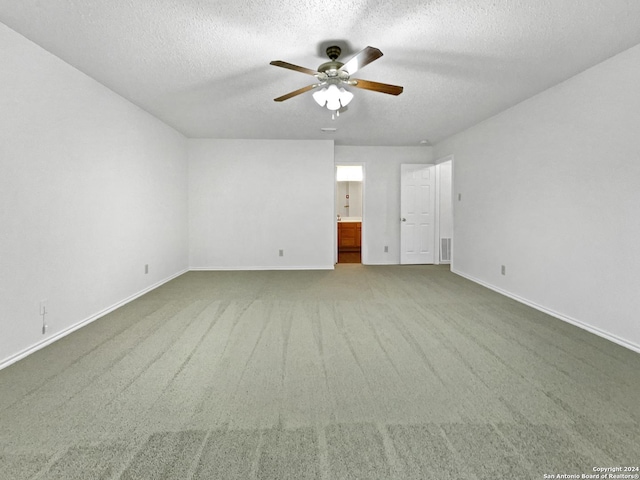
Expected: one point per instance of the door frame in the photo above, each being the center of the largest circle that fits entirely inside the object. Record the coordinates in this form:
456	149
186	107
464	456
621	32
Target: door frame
335	194
437	163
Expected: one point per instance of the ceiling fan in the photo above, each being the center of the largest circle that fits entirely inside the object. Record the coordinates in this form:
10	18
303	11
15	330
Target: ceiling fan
334	75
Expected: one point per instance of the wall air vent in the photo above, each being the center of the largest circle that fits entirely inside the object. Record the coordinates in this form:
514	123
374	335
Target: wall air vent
445	250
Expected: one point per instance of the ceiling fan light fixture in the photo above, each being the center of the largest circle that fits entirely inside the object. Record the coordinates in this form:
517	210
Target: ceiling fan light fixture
345	97
333	98
320	97
333	104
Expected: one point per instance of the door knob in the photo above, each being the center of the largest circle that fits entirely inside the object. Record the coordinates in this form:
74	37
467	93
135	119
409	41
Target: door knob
403	219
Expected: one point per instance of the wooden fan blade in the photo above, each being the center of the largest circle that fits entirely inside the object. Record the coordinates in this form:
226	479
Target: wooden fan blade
376	86
361	59
291	66
296	92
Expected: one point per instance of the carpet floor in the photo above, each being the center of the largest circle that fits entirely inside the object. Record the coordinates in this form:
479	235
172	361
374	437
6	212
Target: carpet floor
385	372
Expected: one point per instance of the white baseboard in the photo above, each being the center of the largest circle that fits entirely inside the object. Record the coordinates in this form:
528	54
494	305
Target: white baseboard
63	333
28	351
245	268
585	326
380	263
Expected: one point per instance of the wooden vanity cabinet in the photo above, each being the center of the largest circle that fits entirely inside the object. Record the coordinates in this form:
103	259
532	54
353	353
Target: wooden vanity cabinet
349	236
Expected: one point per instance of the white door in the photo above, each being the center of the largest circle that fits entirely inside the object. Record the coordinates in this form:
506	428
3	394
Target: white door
417	199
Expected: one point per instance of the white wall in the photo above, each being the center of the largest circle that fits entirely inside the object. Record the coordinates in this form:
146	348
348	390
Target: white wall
355	199
248	199
92	188
354	190
341	192
551	190
381	196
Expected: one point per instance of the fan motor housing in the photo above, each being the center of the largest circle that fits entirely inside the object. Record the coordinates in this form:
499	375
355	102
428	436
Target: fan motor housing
329	66
332	71
332	68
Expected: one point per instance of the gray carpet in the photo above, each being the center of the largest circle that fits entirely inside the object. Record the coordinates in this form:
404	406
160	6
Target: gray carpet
399	372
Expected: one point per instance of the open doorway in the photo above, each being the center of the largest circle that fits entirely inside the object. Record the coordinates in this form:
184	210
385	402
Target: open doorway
349	182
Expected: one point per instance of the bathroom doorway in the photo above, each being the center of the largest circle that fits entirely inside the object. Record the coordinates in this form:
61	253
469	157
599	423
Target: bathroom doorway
349	186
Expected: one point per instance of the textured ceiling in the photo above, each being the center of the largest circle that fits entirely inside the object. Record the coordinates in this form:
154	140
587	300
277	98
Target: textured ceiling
202	66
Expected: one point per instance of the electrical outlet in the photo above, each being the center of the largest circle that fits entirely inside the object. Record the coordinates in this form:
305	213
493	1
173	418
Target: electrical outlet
503	270
146	268
281	253
386	249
